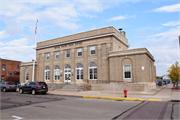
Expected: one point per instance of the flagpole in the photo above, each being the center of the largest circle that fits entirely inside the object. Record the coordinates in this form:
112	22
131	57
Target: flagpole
34	52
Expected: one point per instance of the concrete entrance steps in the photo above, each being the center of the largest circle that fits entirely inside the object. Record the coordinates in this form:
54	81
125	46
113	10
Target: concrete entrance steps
66	87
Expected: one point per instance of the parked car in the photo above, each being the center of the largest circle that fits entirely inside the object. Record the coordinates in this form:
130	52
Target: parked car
8	86
34	87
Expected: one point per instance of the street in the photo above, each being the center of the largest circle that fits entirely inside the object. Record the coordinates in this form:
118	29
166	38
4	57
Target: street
27	106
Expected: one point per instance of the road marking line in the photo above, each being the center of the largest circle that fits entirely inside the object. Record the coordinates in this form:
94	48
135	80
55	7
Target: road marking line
17	117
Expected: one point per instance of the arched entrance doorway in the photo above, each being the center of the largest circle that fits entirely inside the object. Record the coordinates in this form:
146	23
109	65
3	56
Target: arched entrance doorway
67	74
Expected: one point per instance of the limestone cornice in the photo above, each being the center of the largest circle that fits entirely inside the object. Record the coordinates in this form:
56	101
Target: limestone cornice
27	64
83	39
132	53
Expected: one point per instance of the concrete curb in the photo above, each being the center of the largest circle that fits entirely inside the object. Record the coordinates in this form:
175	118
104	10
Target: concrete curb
154	99
114	98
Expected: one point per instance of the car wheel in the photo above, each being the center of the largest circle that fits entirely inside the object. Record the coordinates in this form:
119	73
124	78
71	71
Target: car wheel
43	93
4	89
33	92
20	91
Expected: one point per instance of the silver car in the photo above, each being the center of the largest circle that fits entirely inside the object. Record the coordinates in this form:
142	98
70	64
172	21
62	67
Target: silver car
8	86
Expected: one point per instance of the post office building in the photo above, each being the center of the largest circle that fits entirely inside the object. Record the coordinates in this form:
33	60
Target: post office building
99	56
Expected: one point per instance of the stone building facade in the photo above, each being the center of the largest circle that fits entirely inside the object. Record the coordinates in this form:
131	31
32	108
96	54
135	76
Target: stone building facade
96	56
9	68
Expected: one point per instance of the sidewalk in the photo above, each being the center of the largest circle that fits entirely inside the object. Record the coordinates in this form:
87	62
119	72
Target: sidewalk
159	94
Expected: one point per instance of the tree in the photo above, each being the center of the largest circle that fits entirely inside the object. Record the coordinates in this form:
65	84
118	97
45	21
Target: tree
14	78
158	77
174	72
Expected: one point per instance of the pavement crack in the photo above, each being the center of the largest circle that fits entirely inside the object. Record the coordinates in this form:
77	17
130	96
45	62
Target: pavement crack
7	99
28	102
172	112
40	106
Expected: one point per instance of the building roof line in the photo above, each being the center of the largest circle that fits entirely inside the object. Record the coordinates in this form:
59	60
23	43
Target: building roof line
83	39
10	60
130	53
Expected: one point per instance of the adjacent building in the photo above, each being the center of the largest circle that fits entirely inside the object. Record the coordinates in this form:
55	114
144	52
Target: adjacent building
9	68
96	56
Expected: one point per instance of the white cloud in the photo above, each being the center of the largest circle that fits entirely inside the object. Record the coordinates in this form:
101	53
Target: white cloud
85	5
3	34
164	47
58	14
173	33
17	49
174	23
117	18
170	8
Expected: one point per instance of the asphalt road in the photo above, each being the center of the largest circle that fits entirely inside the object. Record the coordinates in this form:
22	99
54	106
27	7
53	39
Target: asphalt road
27	106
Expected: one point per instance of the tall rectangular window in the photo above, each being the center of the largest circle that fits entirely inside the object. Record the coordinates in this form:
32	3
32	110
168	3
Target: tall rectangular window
67	53
3	67
47	56
127	71
57	55
119	48
92	50
2	78
27	75
79	52
18	67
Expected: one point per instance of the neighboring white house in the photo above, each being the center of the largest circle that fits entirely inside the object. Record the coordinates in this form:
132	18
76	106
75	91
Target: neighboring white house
166	77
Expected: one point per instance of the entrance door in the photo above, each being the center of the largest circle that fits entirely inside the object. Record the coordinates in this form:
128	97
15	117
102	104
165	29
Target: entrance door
67	74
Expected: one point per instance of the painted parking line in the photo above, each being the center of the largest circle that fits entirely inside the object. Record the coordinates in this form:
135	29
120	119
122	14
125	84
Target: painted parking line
17	117
114	98
154	99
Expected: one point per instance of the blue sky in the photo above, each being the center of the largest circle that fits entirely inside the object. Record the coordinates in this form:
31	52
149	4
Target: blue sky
153	24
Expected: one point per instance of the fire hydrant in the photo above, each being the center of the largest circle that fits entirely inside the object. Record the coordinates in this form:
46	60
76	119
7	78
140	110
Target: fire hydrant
125	93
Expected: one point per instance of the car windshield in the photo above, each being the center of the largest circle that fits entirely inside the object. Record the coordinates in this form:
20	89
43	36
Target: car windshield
42	83
11	83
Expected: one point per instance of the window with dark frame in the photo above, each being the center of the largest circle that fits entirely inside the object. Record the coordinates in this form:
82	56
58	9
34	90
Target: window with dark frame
27	75
3	67
47	73
79	72
79	51
47	56
127	71
57	55
92	50
2	78
57	73
18	67
67	53
92	71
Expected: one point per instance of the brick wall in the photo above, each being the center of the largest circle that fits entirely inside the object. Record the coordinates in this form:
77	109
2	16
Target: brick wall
11	66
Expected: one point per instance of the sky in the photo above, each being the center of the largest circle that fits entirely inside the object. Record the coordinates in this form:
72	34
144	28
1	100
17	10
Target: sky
153	24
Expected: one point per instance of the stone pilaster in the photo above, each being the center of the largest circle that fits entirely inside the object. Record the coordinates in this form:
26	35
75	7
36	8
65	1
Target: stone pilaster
51	67
62	66
99	63
72	65
85	64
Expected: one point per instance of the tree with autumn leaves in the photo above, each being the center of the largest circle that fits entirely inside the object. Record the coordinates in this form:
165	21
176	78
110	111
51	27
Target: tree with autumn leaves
14	78
174	72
